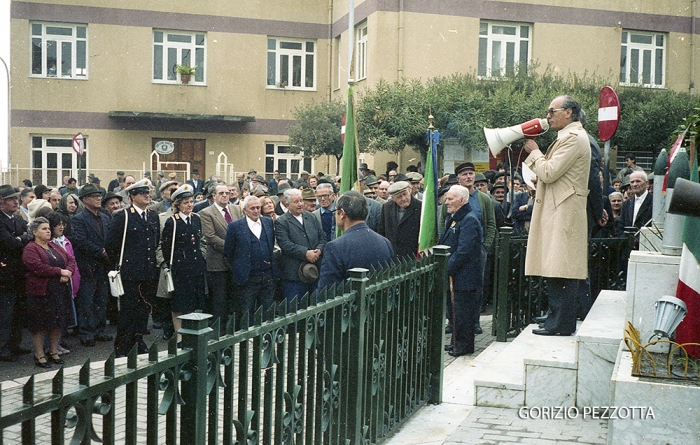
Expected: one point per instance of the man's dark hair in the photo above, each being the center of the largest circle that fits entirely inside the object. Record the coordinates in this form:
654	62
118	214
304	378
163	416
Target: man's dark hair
570	102
631	156
27	183
354	205
72	181
25	191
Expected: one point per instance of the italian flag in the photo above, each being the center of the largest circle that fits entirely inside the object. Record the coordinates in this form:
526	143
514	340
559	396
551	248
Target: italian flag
688	288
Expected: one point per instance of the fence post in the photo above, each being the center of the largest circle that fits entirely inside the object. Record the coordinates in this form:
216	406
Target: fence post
501	315
195	335
437	315
356	374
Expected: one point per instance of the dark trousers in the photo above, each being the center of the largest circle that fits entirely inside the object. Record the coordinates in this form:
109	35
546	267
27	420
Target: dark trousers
221	297
91	305
257	291
7	309
132	323
465	304
563	301
584	298
291	289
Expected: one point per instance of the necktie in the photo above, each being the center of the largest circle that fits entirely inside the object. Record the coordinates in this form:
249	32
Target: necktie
227	216
143	215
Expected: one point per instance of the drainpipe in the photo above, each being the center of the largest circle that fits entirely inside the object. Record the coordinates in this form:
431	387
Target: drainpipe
400	48
330	49
692	46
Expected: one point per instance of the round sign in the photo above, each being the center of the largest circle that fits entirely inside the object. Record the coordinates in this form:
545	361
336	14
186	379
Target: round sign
608	113
165	147
79	144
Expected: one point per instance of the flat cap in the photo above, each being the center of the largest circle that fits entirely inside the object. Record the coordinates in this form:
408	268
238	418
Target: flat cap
120	173
464	166
414	176
167	184
398	187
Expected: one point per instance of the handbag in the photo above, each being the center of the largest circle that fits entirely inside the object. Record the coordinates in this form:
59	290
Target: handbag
116	287
166	287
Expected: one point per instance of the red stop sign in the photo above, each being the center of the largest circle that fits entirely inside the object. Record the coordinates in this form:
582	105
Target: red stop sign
608	113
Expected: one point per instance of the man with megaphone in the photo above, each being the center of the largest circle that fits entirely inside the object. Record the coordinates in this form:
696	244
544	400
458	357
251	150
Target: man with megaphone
557	242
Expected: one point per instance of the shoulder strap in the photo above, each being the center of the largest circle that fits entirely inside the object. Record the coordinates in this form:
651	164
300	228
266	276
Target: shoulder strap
126	222
172	248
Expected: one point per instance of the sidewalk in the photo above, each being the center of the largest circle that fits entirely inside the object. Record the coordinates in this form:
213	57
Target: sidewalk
458	421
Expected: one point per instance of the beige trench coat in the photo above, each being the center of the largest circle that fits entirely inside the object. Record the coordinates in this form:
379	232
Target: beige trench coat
557	244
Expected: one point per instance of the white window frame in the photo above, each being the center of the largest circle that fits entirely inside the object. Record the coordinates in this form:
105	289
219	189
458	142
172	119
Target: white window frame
281	151
59	148
170	49
652	54
495	47
62	41
278	49
361	52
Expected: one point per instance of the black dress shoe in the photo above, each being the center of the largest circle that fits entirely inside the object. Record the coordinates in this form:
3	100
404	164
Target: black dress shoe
55	358
103	337
459	352
541	319
477	329
39	364
89	343
544	331
448	329
20	351
448	348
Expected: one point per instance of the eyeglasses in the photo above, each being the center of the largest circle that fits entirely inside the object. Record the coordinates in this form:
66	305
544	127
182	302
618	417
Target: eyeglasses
144	193
554	110
323	196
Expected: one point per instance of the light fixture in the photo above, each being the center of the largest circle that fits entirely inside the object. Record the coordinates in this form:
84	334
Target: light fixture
668	314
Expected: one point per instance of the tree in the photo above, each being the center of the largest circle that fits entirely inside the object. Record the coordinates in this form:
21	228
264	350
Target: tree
317	130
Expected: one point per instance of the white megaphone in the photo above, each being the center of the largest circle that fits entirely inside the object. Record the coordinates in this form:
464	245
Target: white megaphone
500	138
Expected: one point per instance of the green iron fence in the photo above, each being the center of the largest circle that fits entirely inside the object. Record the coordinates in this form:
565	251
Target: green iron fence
519	298
347	370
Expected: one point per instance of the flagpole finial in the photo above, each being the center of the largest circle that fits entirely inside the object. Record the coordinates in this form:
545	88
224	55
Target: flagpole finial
430	120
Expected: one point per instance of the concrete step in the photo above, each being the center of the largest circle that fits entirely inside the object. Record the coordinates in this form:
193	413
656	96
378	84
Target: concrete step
532	370
599	338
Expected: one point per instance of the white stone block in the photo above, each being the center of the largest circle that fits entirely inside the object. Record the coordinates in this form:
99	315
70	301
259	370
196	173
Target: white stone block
549	386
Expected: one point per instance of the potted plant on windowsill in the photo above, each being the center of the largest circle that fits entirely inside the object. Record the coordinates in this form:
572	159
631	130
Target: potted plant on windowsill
185	72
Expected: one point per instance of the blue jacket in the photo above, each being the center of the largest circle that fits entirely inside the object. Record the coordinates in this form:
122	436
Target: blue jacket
238	251
519	217
463	234
142	239
88	243
358	247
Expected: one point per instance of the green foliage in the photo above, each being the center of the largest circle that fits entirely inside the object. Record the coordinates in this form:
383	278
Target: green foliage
392	116
317	129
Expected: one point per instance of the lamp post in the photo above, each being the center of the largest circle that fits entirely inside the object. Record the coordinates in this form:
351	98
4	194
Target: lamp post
9	121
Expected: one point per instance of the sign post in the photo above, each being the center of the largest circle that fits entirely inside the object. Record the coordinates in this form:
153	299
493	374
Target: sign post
608	119
79	148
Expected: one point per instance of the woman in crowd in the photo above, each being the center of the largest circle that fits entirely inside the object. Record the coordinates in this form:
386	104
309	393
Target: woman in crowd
42	192
57	223
313	182
267	207
616	201
188	261
49	270
69	205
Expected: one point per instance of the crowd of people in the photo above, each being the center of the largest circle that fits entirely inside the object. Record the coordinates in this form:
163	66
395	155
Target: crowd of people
234	249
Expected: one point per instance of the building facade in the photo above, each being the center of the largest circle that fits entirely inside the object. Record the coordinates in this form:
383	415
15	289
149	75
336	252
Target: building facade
108	70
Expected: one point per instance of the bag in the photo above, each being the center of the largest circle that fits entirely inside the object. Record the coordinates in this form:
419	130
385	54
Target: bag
115	283
165	283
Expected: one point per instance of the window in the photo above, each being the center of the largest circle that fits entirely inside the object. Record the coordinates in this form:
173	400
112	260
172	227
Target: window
171	48
503	48
291	64
59	50
361	53
53	158
280	157
642	57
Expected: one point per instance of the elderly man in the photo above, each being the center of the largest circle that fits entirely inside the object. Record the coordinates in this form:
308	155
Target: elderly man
557	245
26	197
463	235
309	197
129	180
166	189
249	249
215	221
89	235
196	182
400	220
383	192
139	229
301	239
54	199
114	183
111	203
325	213
636	211
358	247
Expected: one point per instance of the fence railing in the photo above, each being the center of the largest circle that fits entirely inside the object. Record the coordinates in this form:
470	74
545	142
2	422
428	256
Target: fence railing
519	298
346	370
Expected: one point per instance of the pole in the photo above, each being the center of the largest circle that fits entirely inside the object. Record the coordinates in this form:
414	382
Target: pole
606	173
351	38
9	102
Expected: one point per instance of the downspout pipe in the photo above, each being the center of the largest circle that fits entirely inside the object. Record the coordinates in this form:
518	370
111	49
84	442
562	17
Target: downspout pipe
400	44
691	87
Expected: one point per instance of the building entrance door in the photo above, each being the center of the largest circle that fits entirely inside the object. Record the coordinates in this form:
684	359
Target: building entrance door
185	151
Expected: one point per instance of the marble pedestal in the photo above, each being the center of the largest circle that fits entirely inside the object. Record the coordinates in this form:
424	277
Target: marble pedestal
651	239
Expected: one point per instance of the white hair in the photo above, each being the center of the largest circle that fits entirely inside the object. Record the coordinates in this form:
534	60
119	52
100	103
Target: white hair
290	193
249	198
460	191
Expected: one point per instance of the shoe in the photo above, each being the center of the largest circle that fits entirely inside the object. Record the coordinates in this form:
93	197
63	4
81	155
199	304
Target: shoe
459	353
20	351
448	348
39	364
546	332
89	343
541	319
64	344
477	329
541	325
157	325
103	337
143	349
62	351
55	358
448	329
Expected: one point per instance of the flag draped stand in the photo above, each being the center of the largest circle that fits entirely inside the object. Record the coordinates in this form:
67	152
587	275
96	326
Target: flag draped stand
428	235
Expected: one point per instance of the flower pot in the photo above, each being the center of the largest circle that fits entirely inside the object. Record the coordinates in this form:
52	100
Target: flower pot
185	78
